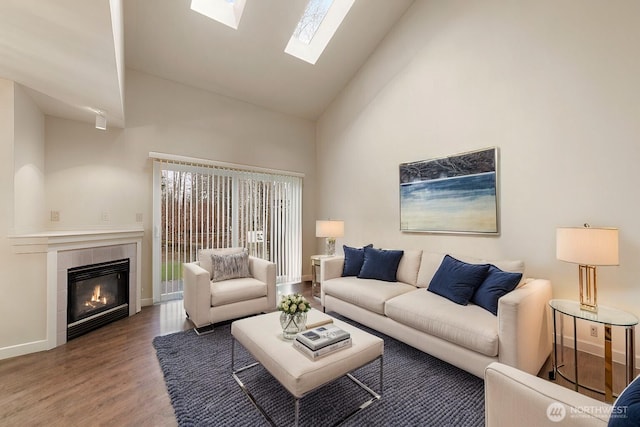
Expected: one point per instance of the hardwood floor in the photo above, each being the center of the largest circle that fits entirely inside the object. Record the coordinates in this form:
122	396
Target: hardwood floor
591	373
111	376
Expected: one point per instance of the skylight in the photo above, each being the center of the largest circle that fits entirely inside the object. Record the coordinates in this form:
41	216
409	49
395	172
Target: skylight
227	12
318	24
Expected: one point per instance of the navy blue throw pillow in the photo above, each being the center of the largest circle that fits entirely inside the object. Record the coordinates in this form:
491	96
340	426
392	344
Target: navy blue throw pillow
626	409
380	264
495	285
457	280
353	259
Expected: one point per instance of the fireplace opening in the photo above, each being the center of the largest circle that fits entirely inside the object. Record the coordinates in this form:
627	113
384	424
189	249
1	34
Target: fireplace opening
98	294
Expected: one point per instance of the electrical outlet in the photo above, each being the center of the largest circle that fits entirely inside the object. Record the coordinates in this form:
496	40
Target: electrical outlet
55	216
138	217
105	216
594	331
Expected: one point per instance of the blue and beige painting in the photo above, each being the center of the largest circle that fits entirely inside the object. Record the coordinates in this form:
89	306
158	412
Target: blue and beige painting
454	194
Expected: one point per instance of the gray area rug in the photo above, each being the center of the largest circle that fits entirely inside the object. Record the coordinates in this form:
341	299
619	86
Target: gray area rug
419	390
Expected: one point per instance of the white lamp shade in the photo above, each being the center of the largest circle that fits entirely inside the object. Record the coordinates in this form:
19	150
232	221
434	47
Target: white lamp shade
587	246
329	228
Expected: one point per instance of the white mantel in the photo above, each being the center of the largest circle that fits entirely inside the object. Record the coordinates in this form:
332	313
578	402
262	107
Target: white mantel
67	249
42	242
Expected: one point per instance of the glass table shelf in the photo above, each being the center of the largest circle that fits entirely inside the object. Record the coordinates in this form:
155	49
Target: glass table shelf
605	315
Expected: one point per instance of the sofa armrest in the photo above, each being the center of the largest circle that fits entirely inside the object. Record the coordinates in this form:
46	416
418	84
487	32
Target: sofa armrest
265	271
197	293
330	268
513	397
523	326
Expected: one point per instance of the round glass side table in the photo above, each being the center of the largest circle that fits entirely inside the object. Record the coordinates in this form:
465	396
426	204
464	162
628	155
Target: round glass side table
607	316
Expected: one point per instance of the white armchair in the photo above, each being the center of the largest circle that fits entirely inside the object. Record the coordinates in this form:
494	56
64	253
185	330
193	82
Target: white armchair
208	301
513	397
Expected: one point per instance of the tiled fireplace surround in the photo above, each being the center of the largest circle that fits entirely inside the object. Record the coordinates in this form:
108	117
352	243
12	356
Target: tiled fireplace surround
68	249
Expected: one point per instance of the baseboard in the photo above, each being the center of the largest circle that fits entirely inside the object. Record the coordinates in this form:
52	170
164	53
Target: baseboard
22	349
596	350
146	302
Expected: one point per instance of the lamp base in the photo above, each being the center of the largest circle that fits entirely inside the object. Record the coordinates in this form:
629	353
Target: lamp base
330	246
588	288
588	307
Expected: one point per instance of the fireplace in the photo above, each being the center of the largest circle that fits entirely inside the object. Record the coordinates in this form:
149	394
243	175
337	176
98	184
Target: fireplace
98	294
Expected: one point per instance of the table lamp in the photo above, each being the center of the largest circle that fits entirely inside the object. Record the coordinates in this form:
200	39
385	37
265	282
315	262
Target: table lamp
330	229
588	247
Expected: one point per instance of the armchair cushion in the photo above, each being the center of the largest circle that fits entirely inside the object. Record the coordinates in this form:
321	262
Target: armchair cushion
235	290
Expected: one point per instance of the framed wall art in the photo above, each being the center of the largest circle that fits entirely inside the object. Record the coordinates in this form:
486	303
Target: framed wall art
454	194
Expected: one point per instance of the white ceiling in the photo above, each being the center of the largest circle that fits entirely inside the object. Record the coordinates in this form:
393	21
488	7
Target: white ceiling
66	51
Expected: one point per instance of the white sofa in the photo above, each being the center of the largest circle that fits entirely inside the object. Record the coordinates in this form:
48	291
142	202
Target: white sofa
207	301
469	337
513	397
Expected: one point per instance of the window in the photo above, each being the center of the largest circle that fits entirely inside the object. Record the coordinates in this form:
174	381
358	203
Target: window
227	12
311	19
199	206
318	24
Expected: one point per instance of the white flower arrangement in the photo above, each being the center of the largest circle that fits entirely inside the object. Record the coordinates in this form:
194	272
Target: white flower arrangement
293	304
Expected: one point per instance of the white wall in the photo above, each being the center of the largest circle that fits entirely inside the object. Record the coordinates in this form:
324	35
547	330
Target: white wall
554	84
89	172
23	286
30	215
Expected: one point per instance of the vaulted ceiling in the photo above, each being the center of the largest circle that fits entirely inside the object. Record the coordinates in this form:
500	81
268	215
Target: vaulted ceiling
69	52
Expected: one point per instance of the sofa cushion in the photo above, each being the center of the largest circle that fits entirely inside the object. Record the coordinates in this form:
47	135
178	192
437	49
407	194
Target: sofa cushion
468	326
380	264
408	267
369	294
626	409
457	280
495	285
428	266
235	290
204	256
233	266
431	262
353	260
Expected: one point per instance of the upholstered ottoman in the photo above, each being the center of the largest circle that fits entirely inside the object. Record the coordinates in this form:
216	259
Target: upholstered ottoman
262	337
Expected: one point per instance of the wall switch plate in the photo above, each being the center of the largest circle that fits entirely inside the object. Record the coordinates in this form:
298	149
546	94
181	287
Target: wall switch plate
105	216
138	217
594	331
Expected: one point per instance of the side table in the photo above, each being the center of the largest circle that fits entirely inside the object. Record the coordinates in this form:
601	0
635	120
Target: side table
316	286
608	317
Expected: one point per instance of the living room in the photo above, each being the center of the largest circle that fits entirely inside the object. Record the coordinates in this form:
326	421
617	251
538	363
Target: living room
552	84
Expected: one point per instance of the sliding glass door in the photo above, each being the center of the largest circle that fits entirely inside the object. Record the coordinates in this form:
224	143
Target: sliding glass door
198	207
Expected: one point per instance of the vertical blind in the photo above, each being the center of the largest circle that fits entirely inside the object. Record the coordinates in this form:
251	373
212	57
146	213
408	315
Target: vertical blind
206	206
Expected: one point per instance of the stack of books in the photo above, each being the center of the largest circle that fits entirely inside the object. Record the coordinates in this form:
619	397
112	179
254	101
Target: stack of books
317	342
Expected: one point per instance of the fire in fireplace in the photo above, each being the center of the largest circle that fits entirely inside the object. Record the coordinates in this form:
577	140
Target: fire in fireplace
98	294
